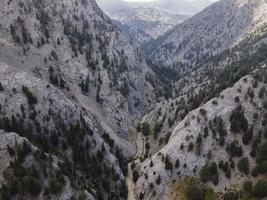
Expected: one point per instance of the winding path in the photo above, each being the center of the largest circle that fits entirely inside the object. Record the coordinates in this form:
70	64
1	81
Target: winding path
140	146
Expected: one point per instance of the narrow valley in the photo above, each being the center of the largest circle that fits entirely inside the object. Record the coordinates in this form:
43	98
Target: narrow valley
116	100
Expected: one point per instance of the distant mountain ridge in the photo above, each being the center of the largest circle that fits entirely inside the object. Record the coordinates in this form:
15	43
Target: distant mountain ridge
145	21
208	33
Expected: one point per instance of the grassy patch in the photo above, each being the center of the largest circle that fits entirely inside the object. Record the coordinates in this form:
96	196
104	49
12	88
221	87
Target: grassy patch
179	190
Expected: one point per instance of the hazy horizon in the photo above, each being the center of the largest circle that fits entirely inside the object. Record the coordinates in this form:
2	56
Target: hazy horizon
187	7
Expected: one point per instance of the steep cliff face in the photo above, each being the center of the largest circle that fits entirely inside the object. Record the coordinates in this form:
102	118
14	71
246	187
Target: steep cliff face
72	86
210	32
35	109
75	47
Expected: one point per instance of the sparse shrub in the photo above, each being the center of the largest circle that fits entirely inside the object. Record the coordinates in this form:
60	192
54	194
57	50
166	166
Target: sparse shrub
31	98
125	89
177	163
238	120
151	164
135	175
228	173
237	99
170	122
262	92
22	151
145	127
158	180
203	112
157	129
1	87
255	172
255	84
250	93
190	146
248	136
215	103
168	164
10	150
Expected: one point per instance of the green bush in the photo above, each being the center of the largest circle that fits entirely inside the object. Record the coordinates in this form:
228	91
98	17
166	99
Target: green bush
255	172
4	192
235	149
31	185
55	185
261	168
31	98
145	127
158	180
238	120
168	164
247	186
262	92
195	192
243	165
248	136
260	189
135	175
1	87
262	153
157	129
209	173
177	163
203	112
230	196
22	151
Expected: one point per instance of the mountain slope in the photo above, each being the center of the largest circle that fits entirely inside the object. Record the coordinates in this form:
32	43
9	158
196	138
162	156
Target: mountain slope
207	34
210	134
35	109
71	84
75	46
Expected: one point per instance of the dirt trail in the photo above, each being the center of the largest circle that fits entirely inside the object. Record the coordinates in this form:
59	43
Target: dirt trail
140	146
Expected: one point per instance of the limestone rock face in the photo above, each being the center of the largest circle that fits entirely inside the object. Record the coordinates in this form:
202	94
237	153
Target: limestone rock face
10	140
74	46
37	110
71	84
